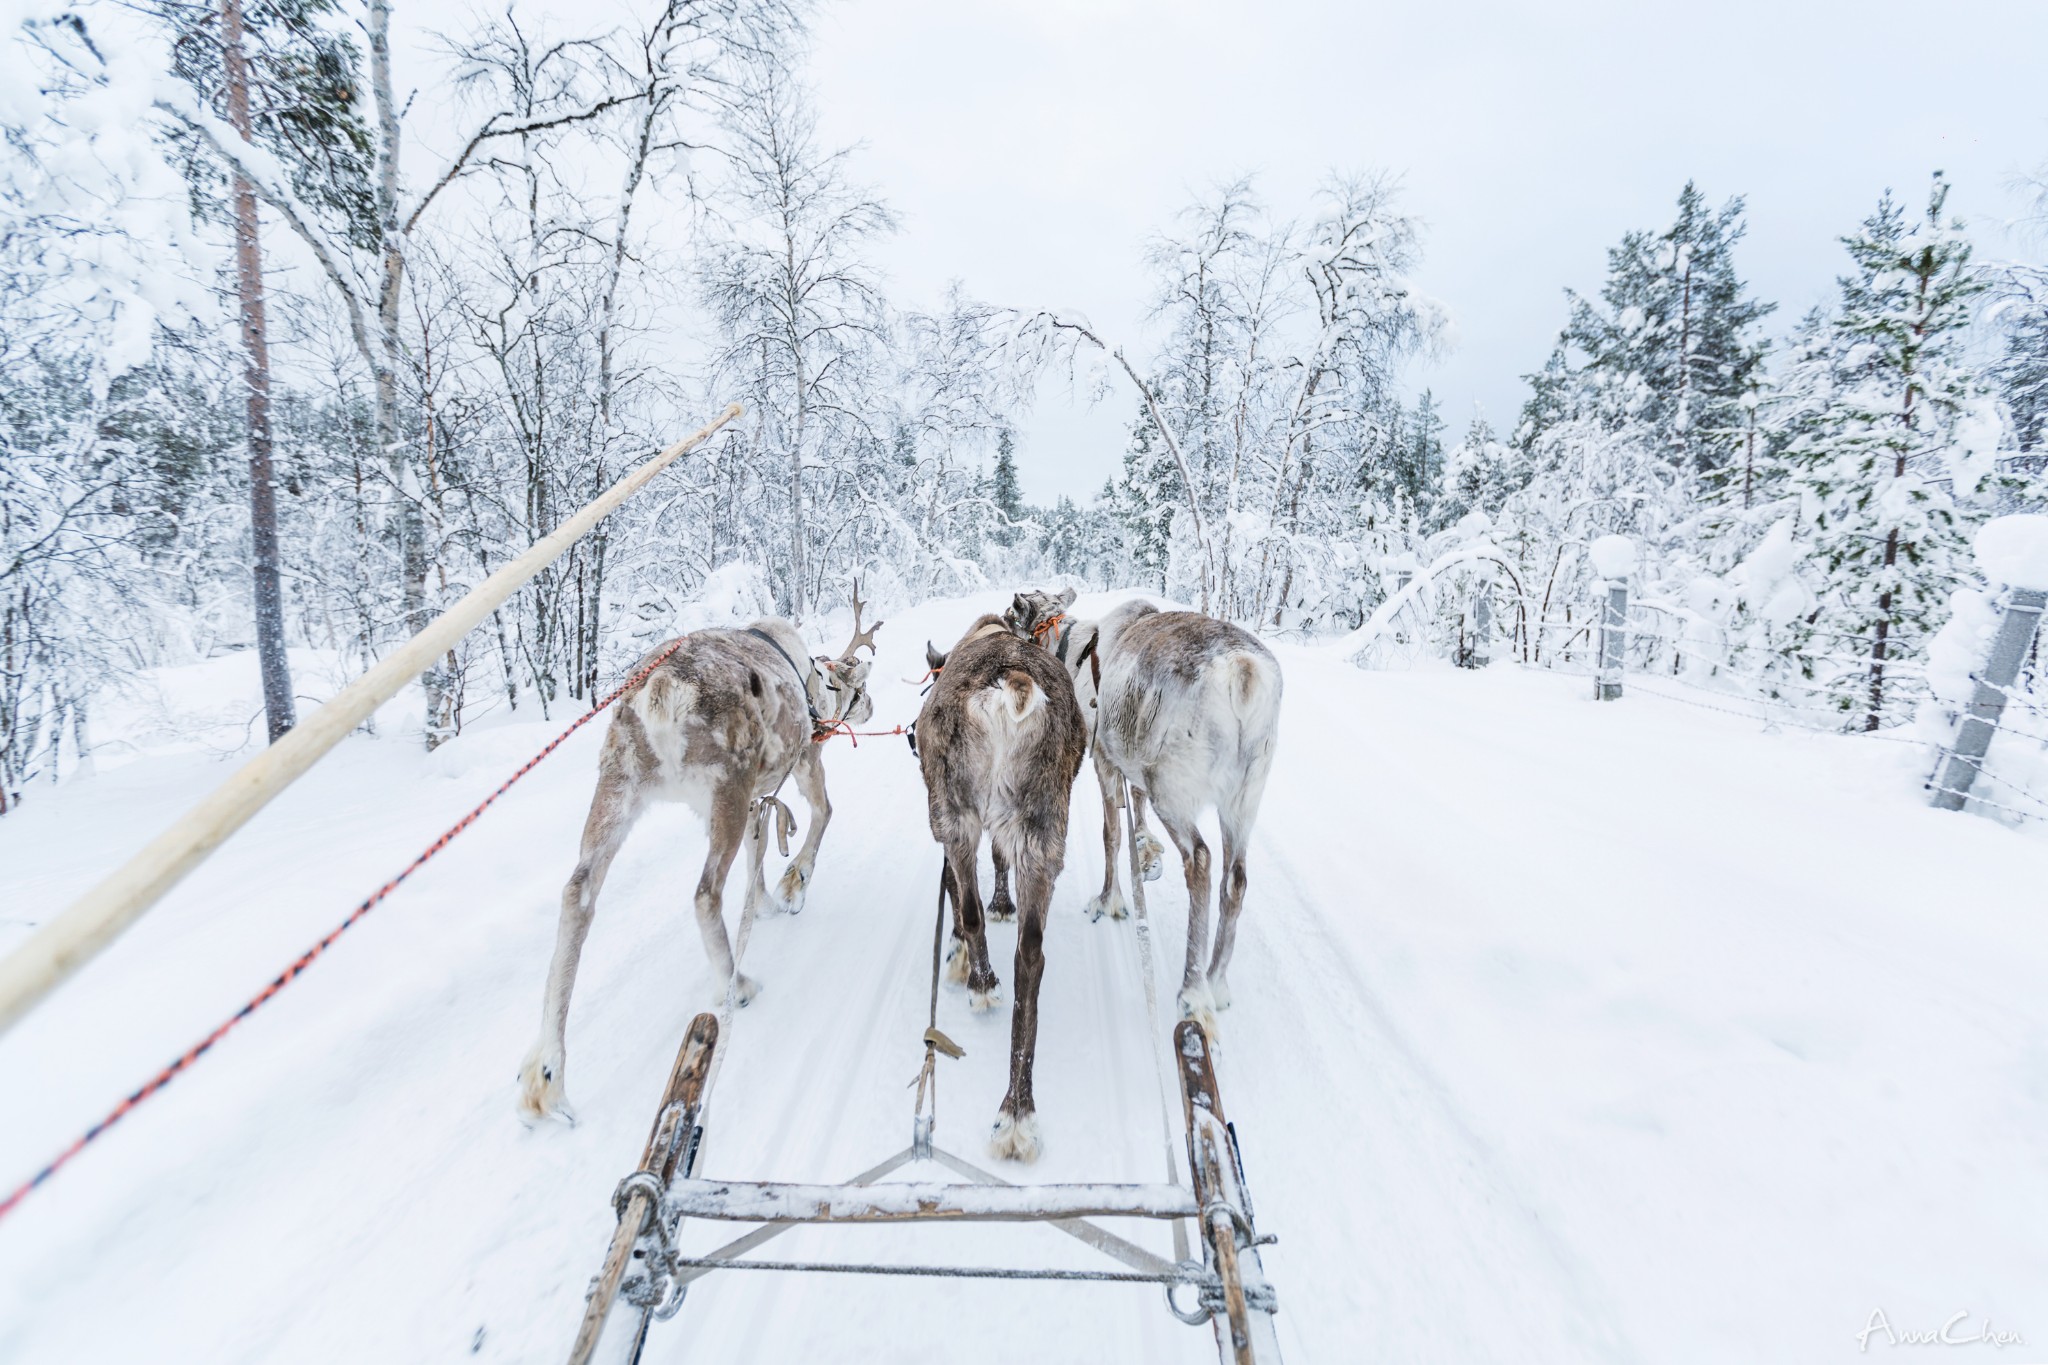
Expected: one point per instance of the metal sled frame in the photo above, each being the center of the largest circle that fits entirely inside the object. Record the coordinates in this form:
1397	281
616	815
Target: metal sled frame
641	1265
1229	1282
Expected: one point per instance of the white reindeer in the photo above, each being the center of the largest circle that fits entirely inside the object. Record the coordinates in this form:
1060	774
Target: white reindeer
720	726
1185	712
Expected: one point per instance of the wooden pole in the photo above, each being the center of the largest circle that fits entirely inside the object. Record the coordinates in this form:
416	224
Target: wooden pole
96	919
668	1145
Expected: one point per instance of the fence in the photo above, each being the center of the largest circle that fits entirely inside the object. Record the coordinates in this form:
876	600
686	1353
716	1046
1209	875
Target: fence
1982	720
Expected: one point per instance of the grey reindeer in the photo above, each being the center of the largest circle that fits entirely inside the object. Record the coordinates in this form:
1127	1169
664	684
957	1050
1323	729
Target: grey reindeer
1000	740
720	725
1184	710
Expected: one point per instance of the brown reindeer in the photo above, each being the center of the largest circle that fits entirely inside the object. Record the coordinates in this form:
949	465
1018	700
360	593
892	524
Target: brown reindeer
1000	741
1185	711
720	726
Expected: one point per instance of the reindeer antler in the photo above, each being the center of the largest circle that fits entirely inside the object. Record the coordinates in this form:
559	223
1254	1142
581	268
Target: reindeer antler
860	637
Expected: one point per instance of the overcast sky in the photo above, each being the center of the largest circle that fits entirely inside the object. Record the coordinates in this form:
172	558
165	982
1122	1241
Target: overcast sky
1032	145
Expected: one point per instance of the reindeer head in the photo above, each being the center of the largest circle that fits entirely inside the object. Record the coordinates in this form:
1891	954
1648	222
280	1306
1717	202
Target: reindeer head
845	678
1036	614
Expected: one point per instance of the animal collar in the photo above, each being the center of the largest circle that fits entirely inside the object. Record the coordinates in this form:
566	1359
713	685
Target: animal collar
803	681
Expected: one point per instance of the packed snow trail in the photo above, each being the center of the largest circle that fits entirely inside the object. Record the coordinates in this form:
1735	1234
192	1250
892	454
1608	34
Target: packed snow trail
1564	1032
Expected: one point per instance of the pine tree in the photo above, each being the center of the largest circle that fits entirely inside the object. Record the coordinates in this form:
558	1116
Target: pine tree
1881	468
1479	475
1143	499
1674	316
285	80
1549	400
2021	371
1416	456
1004	490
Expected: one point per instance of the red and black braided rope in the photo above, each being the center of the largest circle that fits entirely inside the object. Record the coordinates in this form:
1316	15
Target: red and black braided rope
307	958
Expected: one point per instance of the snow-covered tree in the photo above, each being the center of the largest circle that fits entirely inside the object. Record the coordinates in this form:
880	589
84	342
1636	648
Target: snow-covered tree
1893	449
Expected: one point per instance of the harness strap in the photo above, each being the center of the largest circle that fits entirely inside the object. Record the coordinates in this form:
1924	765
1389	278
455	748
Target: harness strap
1094	658
820	727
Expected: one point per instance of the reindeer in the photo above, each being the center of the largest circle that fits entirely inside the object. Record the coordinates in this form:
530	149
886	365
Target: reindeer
1185	711
720	725
1000	741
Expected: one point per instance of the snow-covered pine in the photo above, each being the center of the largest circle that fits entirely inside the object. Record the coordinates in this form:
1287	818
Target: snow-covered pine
1886	475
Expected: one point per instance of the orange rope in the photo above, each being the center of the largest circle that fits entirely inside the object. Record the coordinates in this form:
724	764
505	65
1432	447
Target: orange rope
825	729
306	959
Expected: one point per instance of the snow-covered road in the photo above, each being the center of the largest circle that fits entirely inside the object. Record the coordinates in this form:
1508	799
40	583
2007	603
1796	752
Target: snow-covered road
1563	1032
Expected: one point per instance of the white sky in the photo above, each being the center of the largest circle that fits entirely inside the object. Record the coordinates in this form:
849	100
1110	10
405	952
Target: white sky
1032	145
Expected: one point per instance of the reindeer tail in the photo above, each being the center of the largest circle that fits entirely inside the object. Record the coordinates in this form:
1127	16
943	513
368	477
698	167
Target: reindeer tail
1021	696
1252	683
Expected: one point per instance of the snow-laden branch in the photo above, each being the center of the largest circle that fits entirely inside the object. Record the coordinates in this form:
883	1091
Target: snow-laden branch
1187	477
266	176
1354	644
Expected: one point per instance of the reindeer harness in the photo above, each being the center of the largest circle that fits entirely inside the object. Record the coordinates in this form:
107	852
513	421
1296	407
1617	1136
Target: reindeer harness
821	728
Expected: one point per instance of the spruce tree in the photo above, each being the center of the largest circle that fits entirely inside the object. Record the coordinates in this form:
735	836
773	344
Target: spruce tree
1675	323
1417	455
1004	491
2021	371
1879	469
1143	498
1479	475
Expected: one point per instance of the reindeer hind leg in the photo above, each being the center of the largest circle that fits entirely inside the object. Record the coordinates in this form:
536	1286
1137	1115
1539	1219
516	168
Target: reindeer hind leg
732	823
1194	855
614	808
1016	1134
796	878
1230	905
983	986
1000	907
1110	900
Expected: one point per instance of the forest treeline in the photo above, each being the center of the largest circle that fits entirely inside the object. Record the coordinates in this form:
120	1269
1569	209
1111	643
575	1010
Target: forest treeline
278	370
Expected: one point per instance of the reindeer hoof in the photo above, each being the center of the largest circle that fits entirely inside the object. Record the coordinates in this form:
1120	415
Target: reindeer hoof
542	1095
1002	912
742	990
1151	858
1197	1004
1015	1137
981	1002
956	963
1219	993
1110	904
790	890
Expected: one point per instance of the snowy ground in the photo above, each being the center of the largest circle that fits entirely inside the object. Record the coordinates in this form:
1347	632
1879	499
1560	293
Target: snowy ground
1564	1032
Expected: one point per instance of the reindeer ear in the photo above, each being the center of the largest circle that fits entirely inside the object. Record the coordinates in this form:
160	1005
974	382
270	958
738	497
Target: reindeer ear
1067	598
1018	617
856	673
932	658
